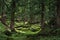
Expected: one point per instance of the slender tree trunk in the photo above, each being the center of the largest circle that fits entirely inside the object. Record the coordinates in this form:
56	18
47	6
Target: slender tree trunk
58	13
42	14
3	15
12	15
42	21
3	19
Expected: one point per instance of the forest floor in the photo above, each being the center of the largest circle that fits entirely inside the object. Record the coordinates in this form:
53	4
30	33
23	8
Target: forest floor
21	36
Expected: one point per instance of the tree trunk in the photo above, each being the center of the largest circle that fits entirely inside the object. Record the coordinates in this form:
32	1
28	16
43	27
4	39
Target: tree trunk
12	15
42	15
3	19
58	13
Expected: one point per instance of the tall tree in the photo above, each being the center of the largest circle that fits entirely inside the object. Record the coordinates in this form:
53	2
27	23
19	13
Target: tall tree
42	14
58	13
13	4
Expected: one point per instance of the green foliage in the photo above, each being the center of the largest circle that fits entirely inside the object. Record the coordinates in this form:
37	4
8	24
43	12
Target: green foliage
33	29
29	11
2	36
18	36
2	28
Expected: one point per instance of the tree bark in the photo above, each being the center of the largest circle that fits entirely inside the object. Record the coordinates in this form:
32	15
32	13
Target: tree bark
12	15
42	14
58	13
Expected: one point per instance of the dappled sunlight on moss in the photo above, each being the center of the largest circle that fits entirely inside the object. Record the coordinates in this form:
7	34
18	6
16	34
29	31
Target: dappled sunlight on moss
34	29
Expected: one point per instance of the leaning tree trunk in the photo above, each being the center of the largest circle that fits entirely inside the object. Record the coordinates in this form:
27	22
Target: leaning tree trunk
58	13
3	19
3	14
